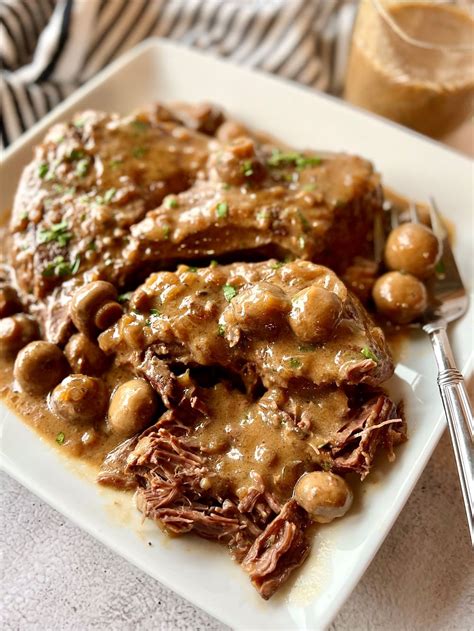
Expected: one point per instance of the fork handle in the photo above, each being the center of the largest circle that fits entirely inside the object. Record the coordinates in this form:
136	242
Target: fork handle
458	415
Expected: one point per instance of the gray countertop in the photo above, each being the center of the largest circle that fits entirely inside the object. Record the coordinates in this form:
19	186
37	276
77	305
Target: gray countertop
54	576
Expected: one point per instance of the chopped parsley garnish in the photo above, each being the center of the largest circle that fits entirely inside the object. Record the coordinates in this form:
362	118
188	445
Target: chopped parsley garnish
368	354
154	313
60	267
225	186
43	169
76	154
92	246
171	202
229	292
304	221
221	330
213	263
306	348
24	215
125	297
60	437
79	123
82	167
263	214
288	158
193	268
247	168
308	187
115	163
440	268
140	126
139	152
222	209
294	363
277	265
58	232
326	465
166	232
109	195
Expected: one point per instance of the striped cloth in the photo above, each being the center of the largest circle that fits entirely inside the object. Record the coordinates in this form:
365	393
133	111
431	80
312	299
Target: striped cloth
49	47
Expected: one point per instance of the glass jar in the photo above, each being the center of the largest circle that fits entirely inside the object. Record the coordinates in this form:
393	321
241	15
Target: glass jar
412	61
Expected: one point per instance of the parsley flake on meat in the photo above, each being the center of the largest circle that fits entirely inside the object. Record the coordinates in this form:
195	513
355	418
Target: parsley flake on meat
229	292
222	209
58	232
368	354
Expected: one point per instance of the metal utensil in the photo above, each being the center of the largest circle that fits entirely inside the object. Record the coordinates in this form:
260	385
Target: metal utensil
449	301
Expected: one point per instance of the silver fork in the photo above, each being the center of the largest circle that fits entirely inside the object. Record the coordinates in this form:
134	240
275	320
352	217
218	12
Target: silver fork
449	301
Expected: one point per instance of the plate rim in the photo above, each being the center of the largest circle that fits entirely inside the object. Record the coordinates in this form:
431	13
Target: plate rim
437	427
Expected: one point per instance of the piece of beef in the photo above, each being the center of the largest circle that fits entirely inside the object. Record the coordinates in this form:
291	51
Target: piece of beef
280	549
189	478
238	317
378	422
323	212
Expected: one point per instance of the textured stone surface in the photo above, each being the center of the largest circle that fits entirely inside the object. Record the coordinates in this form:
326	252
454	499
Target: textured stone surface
53	576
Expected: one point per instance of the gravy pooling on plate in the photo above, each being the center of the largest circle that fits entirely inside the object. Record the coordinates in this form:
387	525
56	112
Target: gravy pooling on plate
170	311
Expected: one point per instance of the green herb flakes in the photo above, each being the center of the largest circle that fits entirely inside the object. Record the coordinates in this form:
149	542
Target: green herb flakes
166	232
154	312
82	167
76	154
58	232
308	187
221	330
222	209
306	348
277	265
440	268
292	158
92	246
193	268
114	164
43	169
229	292
263	214
124	297
140	126
213	263
109	195
247	168
60	267
294	363
304	221
139	152
368	354
171	202
60	438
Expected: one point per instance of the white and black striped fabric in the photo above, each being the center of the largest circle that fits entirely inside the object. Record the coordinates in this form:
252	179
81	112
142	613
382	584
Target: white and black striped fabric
49	47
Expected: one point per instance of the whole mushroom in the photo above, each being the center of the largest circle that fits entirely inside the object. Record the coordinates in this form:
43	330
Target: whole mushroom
80	399
16	331
39	367
324	495
132	407
94	307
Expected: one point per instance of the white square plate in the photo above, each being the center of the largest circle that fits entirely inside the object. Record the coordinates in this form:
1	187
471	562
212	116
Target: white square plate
200	571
